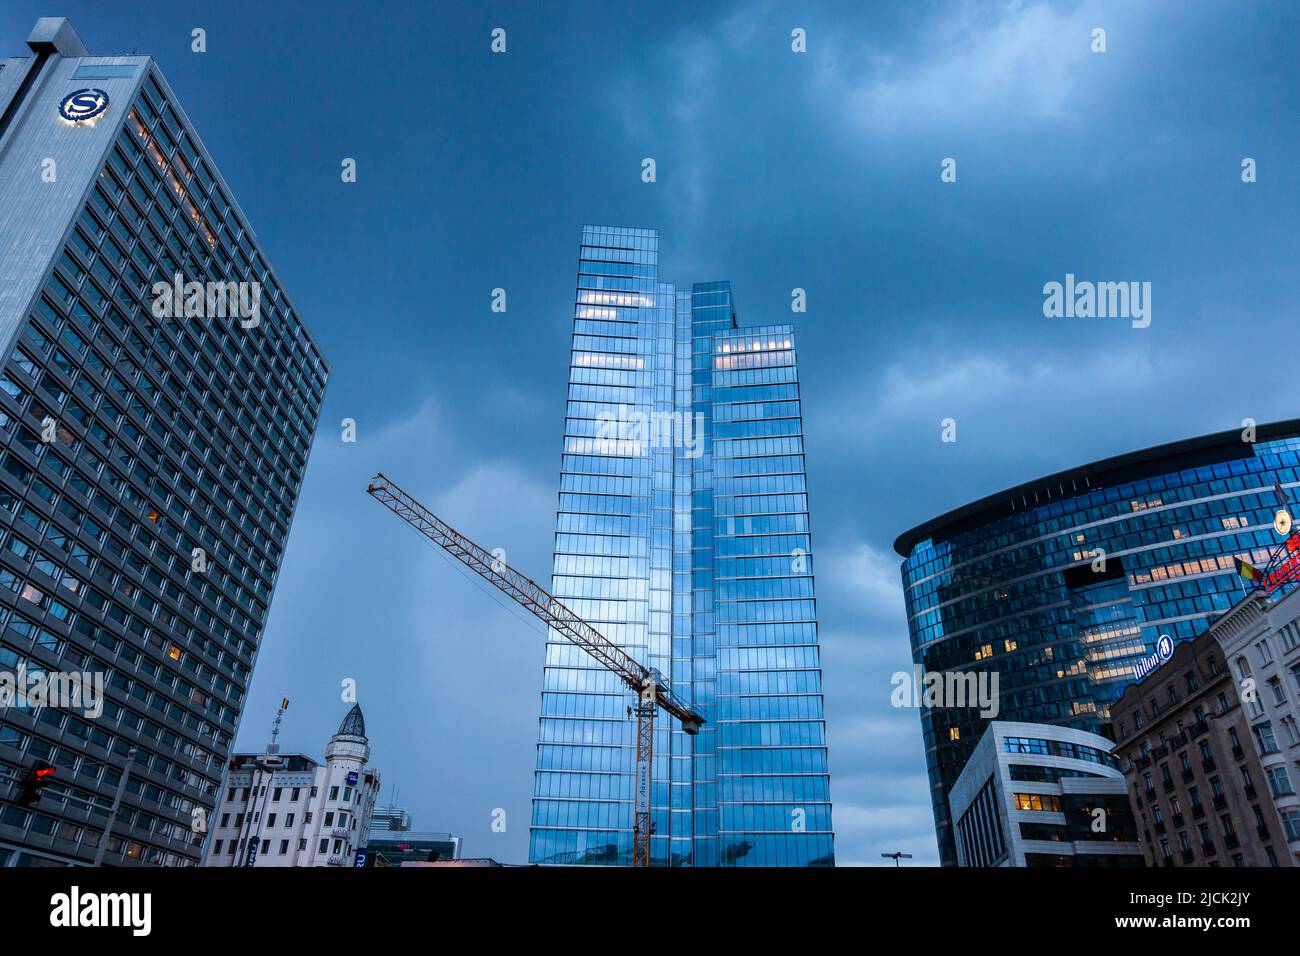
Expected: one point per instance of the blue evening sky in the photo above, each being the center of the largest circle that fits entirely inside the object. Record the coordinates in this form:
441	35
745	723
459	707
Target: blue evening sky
775	170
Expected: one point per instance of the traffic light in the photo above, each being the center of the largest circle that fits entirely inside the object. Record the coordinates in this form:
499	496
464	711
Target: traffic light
35	779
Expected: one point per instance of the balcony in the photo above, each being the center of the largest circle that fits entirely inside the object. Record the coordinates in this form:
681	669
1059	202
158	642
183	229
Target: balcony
1178	740
1188	775
1168	785
1142	763
1161	751
1220	801
1262	830
1198	811
1231	841
1207	764
1151	793
1208	849
1176	819
1188	856
1237	752
1200	727
1160	826
1250	791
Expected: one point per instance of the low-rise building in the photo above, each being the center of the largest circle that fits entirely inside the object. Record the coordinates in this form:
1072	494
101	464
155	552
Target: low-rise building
394	843
1194	780
288	810
1260	638
472	862
1042	795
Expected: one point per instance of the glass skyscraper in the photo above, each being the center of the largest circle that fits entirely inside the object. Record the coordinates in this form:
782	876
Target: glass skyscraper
683	536
150	461
1061	586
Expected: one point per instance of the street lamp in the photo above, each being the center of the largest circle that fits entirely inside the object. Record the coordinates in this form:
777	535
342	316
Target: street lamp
896	856
117	805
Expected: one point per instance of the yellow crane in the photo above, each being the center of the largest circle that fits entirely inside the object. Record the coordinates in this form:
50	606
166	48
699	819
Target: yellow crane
651	688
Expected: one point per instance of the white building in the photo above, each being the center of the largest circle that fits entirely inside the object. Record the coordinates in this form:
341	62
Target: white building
288	810
1042	795
1260	639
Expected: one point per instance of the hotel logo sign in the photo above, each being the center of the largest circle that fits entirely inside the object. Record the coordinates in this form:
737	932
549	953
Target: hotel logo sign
1164	651
83	107
1284	568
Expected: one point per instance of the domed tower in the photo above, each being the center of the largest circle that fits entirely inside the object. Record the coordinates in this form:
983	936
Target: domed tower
346	795
350	743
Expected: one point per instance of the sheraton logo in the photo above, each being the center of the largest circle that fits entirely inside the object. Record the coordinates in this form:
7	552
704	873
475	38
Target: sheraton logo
83	107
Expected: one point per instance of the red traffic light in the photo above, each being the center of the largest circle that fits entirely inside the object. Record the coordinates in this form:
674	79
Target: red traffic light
35	779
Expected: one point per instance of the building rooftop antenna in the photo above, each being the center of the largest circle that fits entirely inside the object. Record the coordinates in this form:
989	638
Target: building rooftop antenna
274	747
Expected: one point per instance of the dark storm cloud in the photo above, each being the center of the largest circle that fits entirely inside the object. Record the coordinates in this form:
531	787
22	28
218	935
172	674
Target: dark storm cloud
777	171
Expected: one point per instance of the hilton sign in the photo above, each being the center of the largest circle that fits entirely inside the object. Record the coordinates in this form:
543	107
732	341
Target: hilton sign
1164	651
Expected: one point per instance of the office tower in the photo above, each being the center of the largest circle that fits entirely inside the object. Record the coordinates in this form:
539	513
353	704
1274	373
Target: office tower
1195	782
1037	795
151	451
388	818
289	810
393	842
1063	586
683	536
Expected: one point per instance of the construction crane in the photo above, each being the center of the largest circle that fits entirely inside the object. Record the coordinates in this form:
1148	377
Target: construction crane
651	688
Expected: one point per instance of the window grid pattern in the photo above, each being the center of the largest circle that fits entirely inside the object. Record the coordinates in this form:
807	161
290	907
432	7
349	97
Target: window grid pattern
691	550
1020	596
169	435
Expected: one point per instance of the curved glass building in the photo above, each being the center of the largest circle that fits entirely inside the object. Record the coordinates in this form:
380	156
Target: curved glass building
1060	586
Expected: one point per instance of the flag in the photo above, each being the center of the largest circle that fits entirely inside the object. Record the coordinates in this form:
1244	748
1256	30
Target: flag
1282	500
1248	571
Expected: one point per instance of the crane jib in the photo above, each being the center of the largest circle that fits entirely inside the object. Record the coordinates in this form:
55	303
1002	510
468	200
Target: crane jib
534	598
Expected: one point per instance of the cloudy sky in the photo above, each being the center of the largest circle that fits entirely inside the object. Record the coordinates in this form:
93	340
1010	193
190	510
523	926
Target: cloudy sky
775	170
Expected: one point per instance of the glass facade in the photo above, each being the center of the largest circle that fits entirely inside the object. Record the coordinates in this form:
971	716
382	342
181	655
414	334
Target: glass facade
1062	585
129	446
683	536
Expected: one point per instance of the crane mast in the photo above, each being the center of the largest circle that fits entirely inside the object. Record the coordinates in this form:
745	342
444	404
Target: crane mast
652	690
